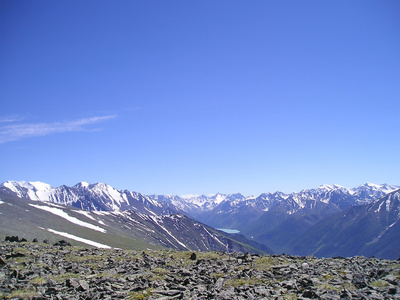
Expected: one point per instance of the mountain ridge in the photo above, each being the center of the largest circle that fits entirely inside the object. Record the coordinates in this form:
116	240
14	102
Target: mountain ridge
43	187
277	220
112	199
370	229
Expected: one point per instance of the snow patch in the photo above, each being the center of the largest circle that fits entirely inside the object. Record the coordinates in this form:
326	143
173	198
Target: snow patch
379	208
64	215
85	213
189	196
101	213
388	202
55	205
77	238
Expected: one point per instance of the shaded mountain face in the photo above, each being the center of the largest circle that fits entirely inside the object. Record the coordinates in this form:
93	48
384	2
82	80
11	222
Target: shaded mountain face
113	229
277	219
370	229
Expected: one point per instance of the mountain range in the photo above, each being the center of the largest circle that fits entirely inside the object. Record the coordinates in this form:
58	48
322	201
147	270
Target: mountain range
127	229
278	220
369	230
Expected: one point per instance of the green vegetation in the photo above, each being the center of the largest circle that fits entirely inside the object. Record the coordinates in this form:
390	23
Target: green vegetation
85	258
289	297
348	286
264	263
27	293
217	275
140	295
159	273
38	281
328	277
379	283
329	287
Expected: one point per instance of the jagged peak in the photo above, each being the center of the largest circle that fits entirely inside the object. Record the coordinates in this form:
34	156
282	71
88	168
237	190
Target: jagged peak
371	185
237	195
82	184
187	196
100	184
334	186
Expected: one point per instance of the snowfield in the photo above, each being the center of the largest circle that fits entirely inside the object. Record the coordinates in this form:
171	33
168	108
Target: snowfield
63	214
77	238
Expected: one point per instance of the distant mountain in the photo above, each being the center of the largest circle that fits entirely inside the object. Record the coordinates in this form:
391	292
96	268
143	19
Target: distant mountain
103	197
286	220
276	219
113	229
222	210
370	229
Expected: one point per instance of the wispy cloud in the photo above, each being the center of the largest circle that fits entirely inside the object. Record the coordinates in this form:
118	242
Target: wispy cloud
15	132
10	119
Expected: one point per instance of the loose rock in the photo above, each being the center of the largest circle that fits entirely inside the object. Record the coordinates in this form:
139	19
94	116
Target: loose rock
42	271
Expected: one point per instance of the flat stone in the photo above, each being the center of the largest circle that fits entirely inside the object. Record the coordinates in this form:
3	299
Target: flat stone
84	285
72	282
391	278
219	284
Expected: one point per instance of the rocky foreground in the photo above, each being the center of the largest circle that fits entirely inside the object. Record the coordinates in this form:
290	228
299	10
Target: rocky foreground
41	271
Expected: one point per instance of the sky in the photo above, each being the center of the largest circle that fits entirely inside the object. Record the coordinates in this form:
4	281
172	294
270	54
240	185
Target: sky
201	96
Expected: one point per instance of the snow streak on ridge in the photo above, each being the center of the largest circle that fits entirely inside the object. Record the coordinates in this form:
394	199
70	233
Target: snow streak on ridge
63	214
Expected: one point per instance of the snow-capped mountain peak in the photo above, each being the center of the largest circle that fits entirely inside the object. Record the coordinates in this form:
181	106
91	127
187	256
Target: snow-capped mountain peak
372	185
218	198
34	190
101	196
33	185
330	187
188	196
82	185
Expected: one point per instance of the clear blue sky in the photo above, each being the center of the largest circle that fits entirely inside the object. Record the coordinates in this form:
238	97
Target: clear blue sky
178	97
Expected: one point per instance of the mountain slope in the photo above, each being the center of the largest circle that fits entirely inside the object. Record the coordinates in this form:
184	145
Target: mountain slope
279	229
371	229
116	229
